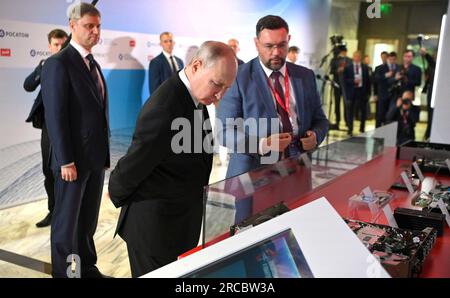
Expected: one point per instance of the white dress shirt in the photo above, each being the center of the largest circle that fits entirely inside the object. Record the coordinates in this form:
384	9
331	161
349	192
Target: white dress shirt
359	75
167	55
292	103
184	79
263	148
83	52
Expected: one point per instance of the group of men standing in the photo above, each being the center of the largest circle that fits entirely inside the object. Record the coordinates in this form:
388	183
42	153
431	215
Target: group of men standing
159	189
356	82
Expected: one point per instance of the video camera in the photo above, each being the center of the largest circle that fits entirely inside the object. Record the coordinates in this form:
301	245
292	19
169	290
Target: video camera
338	43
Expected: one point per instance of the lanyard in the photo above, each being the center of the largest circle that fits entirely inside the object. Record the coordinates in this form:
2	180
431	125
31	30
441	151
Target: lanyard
287	93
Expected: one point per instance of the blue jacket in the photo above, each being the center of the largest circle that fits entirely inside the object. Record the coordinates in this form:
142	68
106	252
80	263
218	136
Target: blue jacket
250	98
160	70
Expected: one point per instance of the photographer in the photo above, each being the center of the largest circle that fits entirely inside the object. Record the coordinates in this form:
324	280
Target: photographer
407	115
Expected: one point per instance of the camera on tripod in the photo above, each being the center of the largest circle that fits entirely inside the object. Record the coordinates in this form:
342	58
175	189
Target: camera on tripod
338	43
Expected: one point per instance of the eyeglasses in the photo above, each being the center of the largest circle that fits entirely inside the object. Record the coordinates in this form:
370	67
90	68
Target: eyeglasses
270	47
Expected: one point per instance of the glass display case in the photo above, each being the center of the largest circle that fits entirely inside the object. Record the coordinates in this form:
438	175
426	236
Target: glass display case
233	200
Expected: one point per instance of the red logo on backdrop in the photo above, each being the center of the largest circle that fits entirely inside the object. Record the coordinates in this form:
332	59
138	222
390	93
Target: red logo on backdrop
132	43
5	52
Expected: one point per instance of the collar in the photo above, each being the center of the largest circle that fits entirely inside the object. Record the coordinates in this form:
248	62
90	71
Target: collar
185	80
167	55
83	52
269	71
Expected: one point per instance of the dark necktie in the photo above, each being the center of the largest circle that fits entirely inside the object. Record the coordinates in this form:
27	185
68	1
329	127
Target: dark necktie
174	68
357	69
94	74
284	116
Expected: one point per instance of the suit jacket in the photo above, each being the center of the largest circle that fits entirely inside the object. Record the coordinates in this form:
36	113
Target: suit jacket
76	116
160	191
30	84
250	98
349	78
160	70
384	84
414	78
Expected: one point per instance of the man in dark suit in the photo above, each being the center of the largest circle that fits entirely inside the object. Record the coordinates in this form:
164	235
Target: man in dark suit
159	182
165	64
383	56
233	43
76	114
385	77
56	39
357	86
410	75
280	98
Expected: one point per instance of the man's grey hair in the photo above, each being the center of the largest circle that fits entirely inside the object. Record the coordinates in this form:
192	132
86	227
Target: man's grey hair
211	51
79	9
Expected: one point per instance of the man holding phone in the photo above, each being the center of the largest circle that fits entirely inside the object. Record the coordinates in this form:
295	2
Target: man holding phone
280	97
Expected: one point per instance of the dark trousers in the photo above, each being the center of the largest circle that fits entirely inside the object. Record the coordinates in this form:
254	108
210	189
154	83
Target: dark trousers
357	100
141	262
382	109
75	219
337	104
49	181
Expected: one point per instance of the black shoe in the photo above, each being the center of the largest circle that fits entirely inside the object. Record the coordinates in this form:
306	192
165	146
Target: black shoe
334	127
45	222
93	272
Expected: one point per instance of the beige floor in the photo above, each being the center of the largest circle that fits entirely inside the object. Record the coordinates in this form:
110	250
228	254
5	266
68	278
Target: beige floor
18	233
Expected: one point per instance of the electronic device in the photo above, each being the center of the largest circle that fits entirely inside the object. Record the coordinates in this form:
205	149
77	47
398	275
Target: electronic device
419	219
259	218
414	150
401	252
279	256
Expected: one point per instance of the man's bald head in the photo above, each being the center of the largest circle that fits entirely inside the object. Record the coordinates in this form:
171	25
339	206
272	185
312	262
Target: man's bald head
211	71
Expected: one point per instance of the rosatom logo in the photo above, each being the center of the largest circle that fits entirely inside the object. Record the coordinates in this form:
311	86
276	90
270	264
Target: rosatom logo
5	52
4	33
120	57
34	53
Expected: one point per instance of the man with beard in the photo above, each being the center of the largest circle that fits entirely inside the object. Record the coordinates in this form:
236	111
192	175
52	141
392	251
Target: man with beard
280	97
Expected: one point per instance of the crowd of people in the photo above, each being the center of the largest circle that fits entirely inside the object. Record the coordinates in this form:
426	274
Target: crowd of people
159	189
390	82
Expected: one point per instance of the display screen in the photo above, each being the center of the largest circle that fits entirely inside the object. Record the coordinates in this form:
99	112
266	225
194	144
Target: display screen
279	256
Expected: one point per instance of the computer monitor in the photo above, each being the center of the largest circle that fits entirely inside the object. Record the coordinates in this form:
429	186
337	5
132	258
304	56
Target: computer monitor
278	256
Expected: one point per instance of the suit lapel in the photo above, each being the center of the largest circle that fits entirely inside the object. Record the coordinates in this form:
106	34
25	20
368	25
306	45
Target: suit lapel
166	65
83	69
299	91
187	99
263	88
